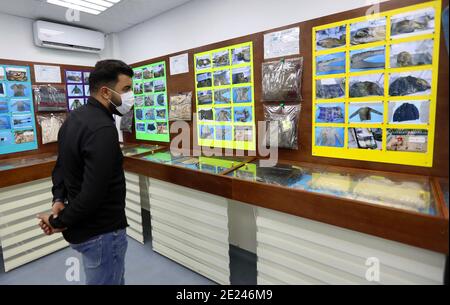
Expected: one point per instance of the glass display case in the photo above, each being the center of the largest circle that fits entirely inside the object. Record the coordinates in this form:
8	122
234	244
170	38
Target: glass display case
133	150
165	157
411	193
9	164
443	183
213	165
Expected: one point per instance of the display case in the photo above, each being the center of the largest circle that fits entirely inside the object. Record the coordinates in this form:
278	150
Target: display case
213	165
134	150
164	157
398	207
443	183
16	171
11	164
406	192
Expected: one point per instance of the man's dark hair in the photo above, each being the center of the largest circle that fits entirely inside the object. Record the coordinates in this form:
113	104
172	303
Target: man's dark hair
106	72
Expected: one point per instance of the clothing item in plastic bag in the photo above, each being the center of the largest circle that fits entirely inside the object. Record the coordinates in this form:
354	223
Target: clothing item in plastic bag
126	122
286	118
180	107
50	97
408	195
281	80
50	125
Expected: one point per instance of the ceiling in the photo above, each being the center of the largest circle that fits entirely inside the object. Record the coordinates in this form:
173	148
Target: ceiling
121	16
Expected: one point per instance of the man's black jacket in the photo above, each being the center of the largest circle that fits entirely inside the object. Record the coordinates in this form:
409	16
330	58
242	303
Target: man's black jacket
89	175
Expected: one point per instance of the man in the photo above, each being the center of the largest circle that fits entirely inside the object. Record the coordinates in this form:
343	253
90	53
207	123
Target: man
89	176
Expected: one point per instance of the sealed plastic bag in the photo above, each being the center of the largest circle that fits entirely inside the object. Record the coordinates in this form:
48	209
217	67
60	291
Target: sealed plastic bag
50	97
281	80
286	118
126	122
180	107
50	125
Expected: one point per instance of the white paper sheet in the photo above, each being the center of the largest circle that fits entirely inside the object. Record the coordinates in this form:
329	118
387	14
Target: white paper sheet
282	43
47	74
118	119
179	64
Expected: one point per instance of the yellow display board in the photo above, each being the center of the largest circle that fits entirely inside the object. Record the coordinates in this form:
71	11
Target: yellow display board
225	97
375	85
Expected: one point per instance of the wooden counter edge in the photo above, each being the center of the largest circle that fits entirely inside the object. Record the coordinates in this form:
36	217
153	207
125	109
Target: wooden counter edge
26	174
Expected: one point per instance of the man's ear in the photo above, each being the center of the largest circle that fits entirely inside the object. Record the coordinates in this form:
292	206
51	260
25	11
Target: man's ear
104	93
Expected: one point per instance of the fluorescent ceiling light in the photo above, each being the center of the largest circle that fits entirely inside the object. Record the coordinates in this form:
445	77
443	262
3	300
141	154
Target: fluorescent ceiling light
94	7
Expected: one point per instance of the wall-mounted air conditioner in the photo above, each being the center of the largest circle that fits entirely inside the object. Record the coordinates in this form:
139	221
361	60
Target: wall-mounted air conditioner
59	36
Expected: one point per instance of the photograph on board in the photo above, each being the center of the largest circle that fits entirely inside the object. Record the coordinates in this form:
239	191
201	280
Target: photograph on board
222	96
409	112
242	95
412	83
221	59
329	136
203	61
365	112
330	64
366	85
418	22
368	59
16	74
330	113
241	55
330	88
407	140
368	31
365	138
74	77
415	53
223	114
331	38
204	97
206	132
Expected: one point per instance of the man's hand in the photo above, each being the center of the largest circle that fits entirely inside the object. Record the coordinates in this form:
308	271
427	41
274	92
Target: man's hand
57	207
45	225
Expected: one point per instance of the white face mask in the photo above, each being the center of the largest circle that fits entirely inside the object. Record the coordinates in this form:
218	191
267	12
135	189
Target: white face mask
127	102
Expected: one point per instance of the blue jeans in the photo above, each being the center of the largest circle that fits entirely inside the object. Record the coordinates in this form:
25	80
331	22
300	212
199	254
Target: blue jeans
104	258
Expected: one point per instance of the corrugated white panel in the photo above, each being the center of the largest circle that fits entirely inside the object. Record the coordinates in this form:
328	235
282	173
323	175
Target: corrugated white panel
17	249
191	227
136	235
282	276
41	207
131	215
133	207
32	232
135	225
6	230
35	254
133	196
21	238
265	279
210	245
10	192
306	251
198	200
199	267
188	226
132	177
206	218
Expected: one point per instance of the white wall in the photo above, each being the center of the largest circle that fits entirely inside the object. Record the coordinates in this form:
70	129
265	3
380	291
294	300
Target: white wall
202	22
16	43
